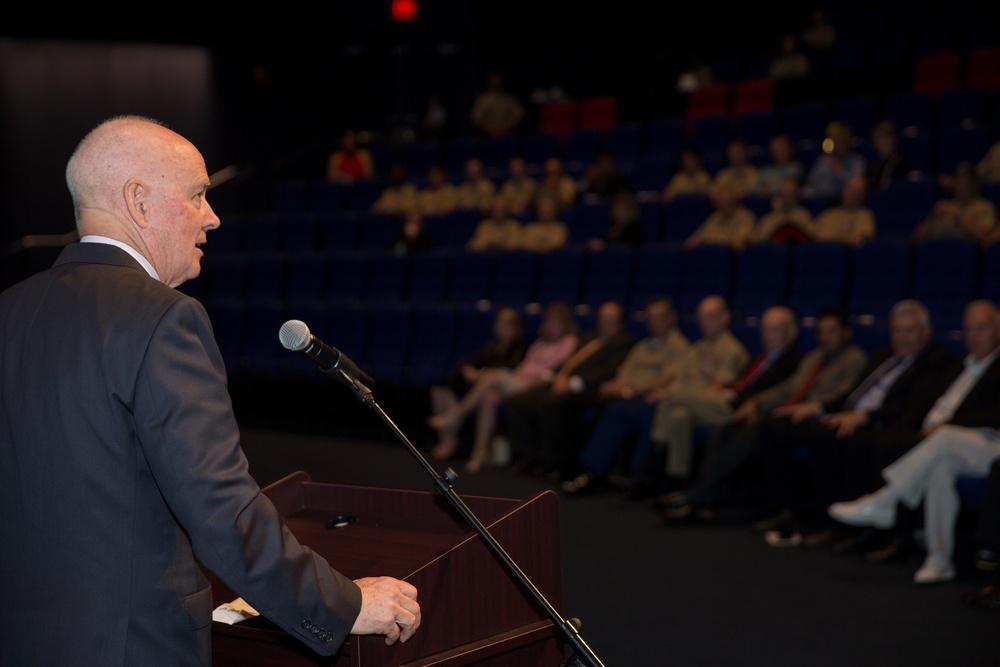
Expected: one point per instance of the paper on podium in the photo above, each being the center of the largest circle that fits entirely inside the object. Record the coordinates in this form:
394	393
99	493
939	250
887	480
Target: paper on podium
234	612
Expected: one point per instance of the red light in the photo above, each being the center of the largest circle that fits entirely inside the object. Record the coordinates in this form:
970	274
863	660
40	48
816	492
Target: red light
404	10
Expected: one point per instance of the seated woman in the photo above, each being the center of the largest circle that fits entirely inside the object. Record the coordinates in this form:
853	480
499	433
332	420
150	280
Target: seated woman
505	349
557	340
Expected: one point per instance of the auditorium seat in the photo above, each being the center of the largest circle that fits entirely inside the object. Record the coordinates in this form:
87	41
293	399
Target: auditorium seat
429	275
946	275
961	143
880	276
963	105
902	205
665	134
306	278
560	275
471	277
818	277
539	146
599	113
908	108
761	278
558	118
346	275
515	275
624	142
705	269
657	273
608	276
935	72
710	133
684	214
387	351
432	343
385	277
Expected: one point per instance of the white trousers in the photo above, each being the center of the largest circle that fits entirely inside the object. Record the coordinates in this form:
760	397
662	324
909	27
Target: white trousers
928	472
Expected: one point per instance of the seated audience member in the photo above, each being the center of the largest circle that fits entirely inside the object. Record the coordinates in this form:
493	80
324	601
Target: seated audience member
987	541
603	180
967	214
712	406
624	228
967	393
545	424
351	162
926	476
546	232
519	188
836	165
499	231
691	179
496	112
887	164
825	373
625	410
897	376
411	234
504	350
790	63
716	359
696	73
783	163
557	340
399	195
475	192
819	34
438	196
557	184
788	219
850	221
730	222
739	174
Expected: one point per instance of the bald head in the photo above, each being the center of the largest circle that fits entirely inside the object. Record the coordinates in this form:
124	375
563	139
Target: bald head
135	181
778	328
114	152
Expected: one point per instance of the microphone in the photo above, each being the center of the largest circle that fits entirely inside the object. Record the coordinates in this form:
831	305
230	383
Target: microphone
294	335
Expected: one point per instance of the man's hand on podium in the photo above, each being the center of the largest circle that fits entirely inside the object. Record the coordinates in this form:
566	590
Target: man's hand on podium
388	607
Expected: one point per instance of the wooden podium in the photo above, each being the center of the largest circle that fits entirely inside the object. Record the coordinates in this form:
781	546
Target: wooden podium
474	611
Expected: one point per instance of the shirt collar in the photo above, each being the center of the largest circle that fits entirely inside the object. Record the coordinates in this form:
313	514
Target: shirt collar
94	238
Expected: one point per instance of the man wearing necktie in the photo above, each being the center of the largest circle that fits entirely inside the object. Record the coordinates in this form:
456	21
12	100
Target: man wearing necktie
896	376
966	393
825	373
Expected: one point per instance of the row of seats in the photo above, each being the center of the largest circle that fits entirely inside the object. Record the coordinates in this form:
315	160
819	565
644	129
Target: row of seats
944	274
936	120
300	226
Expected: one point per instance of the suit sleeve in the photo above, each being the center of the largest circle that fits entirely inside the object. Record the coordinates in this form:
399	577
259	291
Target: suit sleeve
189	436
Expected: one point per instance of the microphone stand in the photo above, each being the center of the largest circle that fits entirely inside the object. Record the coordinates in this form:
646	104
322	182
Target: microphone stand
583	655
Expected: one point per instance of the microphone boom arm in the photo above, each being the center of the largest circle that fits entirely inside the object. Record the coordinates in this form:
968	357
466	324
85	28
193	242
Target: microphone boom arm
568	629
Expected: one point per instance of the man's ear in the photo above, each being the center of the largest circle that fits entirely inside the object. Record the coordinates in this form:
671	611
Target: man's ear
137	202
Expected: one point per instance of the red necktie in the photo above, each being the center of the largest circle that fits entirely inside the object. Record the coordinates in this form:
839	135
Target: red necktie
803	388
755	369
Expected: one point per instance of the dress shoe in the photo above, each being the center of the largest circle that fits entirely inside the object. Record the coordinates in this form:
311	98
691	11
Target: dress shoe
776	522
671	499
987	560
895	549
584	483
875	510
934	571
987	597
819	538
783	538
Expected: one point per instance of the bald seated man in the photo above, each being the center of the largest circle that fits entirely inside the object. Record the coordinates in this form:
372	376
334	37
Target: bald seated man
121	470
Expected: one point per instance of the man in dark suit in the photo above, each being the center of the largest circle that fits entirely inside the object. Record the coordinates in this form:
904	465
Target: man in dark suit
825	373
898	376
121	472
965	393
545	425
778	359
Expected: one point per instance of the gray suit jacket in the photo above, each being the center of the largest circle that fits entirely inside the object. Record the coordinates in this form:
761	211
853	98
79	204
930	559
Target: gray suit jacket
835	380
121	471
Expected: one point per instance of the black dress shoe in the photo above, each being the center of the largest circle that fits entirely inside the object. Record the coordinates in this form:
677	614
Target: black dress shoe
896	549
987	560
